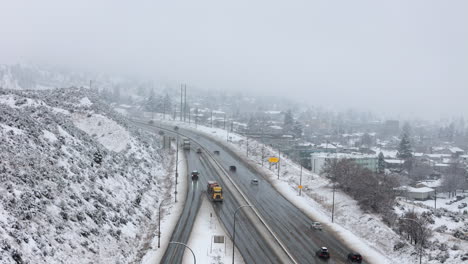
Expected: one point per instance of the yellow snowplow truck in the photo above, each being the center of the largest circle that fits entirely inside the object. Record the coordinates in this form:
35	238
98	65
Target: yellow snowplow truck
215	191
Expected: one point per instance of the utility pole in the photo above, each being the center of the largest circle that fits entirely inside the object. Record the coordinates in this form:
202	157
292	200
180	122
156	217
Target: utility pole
211	117
247	148
196	117
185	101
278	163
300	180
176	168
435	198
181	96
333	201
224	121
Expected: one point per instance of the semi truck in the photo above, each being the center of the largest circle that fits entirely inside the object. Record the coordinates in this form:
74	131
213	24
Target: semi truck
215	191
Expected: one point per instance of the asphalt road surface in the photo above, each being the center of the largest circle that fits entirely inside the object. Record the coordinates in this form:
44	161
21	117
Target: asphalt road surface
249	242
290	224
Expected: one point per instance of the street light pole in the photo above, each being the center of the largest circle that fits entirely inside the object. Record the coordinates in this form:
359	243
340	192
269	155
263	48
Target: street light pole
176	169
159	222
234	231
278	163
193	254
300	180
333	201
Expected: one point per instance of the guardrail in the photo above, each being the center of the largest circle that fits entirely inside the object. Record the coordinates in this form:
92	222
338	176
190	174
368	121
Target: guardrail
226	175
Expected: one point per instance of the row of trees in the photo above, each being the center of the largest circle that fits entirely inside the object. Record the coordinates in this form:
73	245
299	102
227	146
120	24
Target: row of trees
374	192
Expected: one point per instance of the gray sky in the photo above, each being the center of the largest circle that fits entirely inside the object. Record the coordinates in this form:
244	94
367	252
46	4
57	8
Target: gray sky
399	57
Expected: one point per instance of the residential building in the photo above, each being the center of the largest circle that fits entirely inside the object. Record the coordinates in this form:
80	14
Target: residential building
318	160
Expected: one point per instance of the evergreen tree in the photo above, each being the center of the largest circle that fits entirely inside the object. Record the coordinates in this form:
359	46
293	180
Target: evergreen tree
404	149
297	129
150	104
288	123
381	163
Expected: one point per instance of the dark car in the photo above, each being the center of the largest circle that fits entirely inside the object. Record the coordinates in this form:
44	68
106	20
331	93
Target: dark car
355	257
232	168
198	150
195	175
323	253
216	152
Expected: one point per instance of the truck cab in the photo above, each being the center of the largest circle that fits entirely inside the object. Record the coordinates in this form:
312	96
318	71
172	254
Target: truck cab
215	191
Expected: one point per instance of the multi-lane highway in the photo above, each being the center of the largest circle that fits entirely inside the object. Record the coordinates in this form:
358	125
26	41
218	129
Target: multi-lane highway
249	241
289	224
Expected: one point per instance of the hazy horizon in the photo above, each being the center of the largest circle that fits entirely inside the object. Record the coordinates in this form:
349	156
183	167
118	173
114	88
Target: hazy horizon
399	58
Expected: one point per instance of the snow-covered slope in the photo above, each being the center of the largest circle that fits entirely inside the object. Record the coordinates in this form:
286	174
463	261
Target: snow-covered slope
57	204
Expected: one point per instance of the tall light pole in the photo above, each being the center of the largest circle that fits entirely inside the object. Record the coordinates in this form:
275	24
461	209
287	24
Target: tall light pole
247	147
420	236
193	254
300	179
278	163
177	164
159	222
333	201
234	230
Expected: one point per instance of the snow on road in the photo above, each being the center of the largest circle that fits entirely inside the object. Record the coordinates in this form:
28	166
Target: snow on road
201	241
170	214
360	231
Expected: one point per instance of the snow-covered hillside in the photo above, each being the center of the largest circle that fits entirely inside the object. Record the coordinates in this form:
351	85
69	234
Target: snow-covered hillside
57	203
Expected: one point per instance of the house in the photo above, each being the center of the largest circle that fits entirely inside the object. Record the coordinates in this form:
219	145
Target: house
420	193
318	160
456	152
394	164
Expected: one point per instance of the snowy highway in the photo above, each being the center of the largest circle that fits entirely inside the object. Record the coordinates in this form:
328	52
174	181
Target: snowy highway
290	224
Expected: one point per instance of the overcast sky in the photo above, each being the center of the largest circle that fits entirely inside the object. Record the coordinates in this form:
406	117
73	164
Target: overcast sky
399	57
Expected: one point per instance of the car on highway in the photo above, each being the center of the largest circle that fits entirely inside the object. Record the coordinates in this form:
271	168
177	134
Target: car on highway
198	150
316	226
232	168
216	152
254	181
195	175
323	253
354	257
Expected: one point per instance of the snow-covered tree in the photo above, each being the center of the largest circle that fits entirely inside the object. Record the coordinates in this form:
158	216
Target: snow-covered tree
381	163
404	149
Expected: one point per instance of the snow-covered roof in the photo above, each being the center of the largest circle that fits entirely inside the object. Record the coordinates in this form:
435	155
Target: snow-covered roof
437	156
327	146
431	183
456	149
394	161
420	189
413	189
276	127
342	155
273	112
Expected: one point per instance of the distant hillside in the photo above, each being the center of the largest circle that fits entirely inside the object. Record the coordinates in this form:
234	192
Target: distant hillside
57	203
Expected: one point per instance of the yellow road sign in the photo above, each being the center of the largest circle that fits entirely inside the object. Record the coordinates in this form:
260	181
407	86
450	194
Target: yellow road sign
273	159
300	186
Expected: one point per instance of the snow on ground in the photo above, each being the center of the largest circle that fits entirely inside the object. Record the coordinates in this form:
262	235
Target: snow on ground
85	102
57	203
171	212
202	243
110	134
363	232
